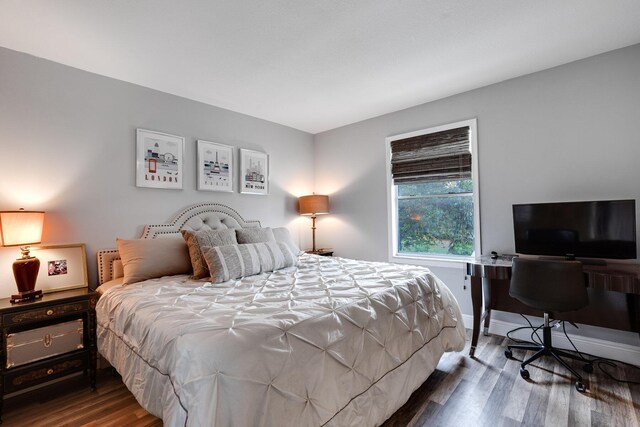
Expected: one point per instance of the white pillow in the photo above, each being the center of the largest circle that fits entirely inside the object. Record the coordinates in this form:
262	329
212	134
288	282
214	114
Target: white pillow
283	235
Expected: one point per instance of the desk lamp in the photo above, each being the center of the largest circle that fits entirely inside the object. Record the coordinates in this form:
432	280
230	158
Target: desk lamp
23	228
313	205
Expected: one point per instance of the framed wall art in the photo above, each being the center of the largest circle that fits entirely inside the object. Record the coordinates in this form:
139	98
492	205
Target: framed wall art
61	267
159	159
215	166
254	172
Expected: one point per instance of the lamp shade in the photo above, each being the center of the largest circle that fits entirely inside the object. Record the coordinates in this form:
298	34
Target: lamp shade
313	205
21	227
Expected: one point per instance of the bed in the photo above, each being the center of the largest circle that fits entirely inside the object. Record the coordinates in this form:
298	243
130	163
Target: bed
330	341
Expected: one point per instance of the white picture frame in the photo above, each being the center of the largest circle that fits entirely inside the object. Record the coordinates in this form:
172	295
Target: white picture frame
254	172
159	160
62	267
215	166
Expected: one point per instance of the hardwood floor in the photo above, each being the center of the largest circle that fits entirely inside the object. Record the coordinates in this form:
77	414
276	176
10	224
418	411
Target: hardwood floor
72	403
486	391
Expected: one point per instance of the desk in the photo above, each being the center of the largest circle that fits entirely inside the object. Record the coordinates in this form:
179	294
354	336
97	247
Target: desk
614	296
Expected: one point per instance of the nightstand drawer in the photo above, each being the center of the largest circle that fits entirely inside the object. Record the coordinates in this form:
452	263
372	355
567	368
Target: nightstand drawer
50	312
39	343
40	372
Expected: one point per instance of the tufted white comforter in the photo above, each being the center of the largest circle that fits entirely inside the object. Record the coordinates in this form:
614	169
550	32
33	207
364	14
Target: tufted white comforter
331	342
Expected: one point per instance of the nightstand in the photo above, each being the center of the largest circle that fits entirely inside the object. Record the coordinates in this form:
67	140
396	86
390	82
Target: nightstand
47	339
321	252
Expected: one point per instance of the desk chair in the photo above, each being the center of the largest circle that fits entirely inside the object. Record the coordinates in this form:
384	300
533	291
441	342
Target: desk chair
550	286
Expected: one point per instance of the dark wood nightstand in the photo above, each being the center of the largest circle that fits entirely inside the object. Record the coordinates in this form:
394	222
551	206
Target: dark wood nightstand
47	339
321	252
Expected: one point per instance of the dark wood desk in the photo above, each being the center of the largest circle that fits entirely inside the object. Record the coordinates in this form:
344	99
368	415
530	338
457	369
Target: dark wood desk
614	295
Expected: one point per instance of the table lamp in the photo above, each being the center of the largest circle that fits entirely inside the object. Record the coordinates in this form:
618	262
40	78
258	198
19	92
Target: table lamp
23	228
313	205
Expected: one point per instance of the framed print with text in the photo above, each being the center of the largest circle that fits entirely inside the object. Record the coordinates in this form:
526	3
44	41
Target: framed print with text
254	172
159	159
215	166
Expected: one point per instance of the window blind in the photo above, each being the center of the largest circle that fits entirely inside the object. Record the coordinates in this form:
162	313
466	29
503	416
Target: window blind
438	156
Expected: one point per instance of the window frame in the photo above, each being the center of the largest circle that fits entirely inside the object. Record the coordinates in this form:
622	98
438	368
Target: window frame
392	197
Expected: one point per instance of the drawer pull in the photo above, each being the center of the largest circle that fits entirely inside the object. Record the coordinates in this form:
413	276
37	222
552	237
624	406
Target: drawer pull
49	312
49	371
47	340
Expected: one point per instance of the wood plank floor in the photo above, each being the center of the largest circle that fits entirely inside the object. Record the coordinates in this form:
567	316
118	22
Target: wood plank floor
486	391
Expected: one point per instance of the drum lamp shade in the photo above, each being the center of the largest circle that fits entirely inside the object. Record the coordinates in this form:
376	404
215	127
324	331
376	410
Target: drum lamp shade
314	204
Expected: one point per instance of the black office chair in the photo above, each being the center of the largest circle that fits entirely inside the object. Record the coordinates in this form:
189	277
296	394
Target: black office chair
550	286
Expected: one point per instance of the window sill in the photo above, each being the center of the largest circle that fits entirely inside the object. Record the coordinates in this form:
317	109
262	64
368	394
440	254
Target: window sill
431	260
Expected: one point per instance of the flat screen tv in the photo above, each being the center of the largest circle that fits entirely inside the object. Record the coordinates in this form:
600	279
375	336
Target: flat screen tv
597	229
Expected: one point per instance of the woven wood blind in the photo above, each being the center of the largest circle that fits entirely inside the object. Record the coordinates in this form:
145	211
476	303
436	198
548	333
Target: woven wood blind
438	156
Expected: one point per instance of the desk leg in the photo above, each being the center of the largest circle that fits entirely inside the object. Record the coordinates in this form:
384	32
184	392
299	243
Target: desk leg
633	308
476	302
486	316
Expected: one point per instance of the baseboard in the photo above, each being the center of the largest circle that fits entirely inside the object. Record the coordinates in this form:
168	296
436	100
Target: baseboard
602	348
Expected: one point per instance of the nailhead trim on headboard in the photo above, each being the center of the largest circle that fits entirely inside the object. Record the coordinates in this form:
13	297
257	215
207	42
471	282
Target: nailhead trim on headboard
150	231
173	227
102	258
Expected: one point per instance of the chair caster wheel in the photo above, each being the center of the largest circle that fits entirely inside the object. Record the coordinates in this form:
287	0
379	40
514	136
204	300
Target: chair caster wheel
524	373
508	354
580	387
588	368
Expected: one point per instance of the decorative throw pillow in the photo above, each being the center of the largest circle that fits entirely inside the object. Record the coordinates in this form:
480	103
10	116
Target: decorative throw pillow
144	259
254	235
235	261
283	235
196	240
118	270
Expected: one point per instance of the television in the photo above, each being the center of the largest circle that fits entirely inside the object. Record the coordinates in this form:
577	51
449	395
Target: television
594	229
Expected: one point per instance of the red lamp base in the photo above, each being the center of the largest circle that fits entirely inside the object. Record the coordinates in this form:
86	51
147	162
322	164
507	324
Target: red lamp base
25	296
25	271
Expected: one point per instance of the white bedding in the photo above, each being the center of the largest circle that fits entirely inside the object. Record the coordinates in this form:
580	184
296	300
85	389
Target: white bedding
331	342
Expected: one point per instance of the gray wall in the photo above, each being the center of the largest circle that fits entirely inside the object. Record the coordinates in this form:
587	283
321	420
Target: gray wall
68	146
568	133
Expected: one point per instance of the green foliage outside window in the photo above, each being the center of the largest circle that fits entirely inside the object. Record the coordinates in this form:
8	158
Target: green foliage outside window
436	224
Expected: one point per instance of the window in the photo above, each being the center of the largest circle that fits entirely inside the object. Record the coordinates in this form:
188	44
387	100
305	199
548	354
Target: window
433	192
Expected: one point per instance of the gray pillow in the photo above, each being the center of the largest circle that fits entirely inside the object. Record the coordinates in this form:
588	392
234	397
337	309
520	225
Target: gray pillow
254	235
283	235
196	240
235	261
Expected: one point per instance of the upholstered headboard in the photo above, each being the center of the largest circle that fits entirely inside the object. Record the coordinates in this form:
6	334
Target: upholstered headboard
203	216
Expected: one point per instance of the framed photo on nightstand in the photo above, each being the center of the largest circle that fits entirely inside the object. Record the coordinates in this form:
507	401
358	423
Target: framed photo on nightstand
61	267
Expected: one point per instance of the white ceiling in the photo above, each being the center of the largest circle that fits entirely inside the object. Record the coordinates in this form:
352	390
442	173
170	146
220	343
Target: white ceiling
316	65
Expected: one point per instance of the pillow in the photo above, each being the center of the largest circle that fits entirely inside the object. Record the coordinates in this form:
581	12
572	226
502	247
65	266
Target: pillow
283	235
254	235
235	261
118	271
196	240
144	259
